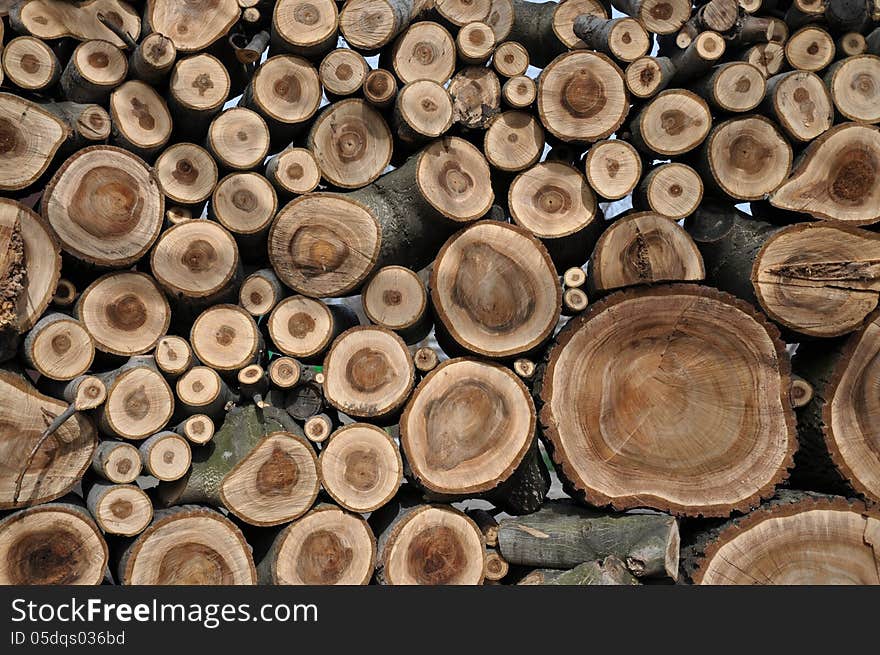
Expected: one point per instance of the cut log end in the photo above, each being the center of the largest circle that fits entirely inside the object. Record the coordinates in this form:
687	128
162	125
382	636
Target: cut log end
613	168
284	372
226	338
425	51
117	461
173	356
120	509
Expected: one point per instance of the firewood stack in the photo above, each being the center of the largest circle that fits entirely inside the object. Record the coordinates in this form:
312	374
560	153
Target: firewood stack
298	292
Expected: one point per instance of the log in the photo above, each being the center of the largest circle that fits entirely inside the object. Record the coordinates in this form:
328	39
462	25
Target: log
141	120
796	538
139	401
286	92
369	373
58	347
546	29
514	141
202	391
306	399
643	248
380	88
425	51
562	535
475	43
187	545
768	57
500	18
34	469
469	431
495	290
293	172
746	157
318	428
425	359
30	64
198	88
553	201
735	86
423	110
327	546
850	44
308	29
152	59
187	175
262	474
510	59
647	76
239	139
245	204
658	16
119	509
842	162
54	544
672	190
476	97
198	429
173	356
800	104
726	340
853	84
519	92
427	545
31	136
83	392
606	572
65	293
624	39
672	123
327	244
342	73
118	462
193	25
304	327
613	168
284	372
105	207
253	384
574	301
360	467
166	456
260	292
811	48
56	19
496	566
124	313
582	97
395	298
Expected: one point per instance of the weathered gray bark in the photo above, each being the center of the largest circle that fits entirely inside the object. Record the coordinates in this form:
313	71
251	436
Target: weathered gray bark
606	572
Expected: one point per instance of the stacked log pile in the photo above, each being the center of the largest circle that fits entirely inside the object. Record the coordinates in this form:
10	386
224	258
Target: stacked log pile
307	292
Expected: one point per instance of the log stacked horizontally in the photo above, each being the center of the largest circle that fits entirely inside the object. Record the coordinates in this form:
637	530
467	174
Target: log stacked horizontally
307	292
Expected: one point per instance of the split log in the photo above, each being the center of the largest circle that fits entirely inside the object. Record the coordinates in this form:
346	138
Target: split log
395	298
469	431
673	122
284	372
30	64
105	206
360	467
245	204
293	172
239	139
562	535
342	73
553	201
327	546
173	356
546	29
746	157
609	571
188	545
854	83
201	391
31	136
514	141
326	244
427	545
141	120
94	69
800	103
304	327
198	88
118	462
838	447
305	28
735	86
152	59
658	16
125	313
119	509
423	110
380	88
56	19
519	92
613	168
495	290
198	429
54	544
727	347
643	248
58	347
672	190
510	59
139	401
811	48
623	38
369	373
166	456
476	97
835	178
34	469
197	264
648	76
192	25
425	51
258	466
582	96
768	57
475	43
797	538
187	175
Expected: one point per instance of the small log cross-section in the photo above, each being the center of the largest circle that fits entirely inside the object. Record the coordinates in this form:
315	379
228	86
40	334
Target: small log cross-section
139	400
607	432
796	538
561	535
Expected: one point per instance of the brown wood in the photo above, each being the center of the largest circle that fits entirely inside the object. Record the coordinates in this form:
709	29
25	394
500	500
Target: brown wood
153	58
810	49
658	16
284	372
622	38
260	292
198	88
200	390
245	204
380	88
198	429
853	84
173	356
166	456
546	29
239	139
514	141
735	86
187	174
293	172
141	120
55	19
423	110
370	24
192	26
674	122
800	103
648	76
58	347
